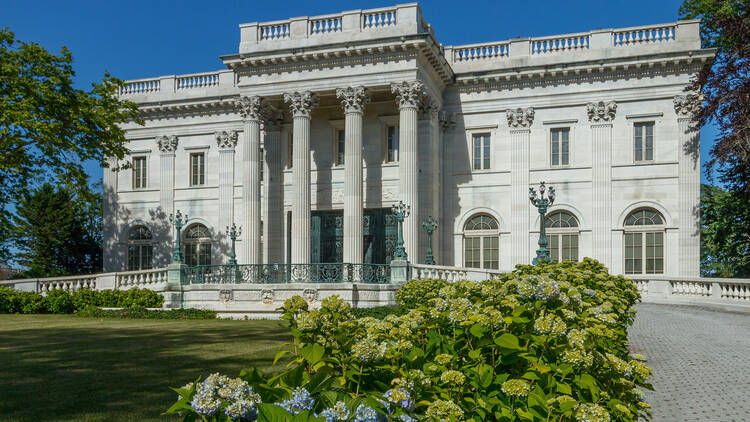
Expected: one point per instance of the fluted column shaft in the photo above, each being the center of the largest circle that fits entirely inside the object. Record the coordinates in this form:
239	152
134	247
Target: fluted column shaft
519	202
601	137
689	193
226	141
301	105
167	145
409	96
251	114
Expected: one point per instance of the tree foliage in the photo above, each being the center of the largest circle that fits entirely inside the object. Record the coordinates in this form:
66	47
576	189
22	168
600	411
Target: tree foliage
725	233
725	25
48	128
54	238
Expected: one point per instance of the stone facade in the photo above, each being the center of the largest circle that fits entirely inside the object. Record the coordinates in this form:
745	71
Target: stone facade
278	108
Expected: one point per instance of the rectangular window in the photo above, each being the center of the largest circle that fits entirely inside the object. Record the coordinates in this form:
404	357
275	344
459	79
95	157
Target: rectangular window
491	252
563	247
472	252
481	151
339	147
633	253
643	141
197	169
654	253
139	172
392	145
559	146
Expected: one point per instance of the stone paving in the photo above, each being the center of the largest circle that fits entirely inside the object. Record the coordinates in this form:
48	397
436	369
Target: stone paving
701	362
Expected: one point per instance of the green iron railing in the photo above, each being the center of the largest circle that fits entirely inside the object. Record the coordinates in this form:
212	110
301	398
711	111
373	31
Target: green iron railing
288	273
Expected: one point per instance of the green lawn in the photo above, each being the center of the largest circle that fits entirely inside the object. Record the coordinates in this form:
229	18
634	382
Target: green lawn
65	368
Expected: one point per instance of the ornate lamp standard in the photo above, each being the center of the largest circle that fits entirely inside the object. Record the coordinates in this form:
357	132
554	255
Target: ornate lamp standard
234	231
542	203
430	224
400	211
178	220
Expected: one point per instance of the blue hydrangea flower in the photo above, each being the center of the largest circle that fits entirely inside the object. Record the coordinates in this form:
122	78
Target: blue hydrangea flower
242	410
399	396
407	418
366	414
301	401
339	412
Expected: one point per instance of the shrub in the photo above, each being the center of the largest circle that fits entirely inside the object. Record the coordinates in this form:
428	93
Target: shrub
137	298
8	302
30	303
378	312
542	343
418	292
142	313
86	297
59	302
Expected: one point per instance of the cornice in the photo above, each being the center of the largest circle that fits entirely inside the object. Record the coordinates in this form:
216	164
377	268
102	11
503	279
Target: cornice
197	108
577	73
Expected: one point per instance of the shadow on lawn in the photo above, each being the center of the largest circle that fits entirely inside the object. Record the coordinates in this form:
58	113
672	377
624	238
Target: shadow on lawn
93	374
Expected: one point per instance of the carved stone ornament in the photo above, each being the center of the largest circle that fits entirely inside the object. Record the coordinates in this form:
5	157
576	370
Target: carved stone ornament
266	295
408	94
687	105
602	111
301	103
226	295
447	120
431	107
251	107
353	98
310	295
167	143
520	117
272	119
226	139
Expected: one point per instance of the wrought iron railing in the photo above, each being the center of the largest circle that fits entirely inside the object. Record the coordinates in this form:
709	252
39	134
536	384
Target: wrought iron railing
288	273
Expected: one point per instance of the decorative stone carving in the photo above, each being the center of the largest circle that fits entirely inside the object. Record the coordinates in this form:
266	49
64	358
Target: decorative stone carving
272	119
353	98
301	103
226	295
602	111
520	117
310	295
447	120
226	139
167	143
408	94
251	108
687	105
266	295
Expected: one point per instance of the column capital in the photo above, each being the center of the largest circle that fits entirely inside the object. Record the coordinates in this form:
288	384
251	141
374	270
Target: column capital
431	107
251	107
520	117
226	139
272	119
301	103
353	98
409	94
167	143
602	111
687	105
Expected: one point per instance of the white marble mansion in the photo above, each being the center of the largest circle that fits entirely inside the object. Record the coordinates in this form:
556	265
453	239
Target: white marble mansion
318	125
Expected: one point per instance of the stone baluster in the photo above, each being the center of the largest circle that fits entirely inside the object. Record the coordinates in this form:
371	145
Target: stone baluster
273	226
409	96
251	111
519	122
226	141
689	185
353	100
601	114
301	105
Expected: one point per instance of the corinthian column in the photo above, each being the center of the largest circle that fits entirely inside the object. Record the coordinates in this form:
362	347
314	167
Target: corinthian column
226	141
167	145
689	185
353	100
250	109
601	115
301	105
273	208
519	122
409	96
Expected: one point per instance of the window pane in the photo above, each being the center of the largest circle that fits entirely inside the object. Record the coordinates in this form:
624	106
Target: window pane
201	169
564	147
486	153
491	252
555	147
471	252
633	253
477	152
554	247
147	257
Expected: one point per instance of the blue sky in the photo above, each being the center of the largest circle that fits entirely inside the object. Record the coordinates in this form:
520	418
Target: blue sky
144	38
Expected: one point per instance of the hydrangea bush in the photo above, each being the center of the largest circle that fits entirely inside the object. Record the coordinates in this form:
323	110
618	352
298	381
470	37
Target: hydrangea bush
543	343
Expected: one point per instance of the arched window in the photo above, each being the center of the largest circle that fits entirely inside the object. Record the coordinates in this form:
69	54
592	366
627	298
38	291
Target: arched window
197	245
481	242
644	242
562	235
140	249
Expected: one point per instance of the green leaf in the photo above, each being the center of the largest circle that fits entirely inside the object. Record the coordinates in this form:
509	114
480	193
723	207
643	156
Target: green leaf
564	388
279	355
475	354
313	353
508	341
478	330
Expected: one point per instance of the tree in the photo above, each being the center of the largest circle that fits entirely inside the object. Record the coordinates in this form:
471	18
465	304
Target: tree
54	238
48	128
725	25
725	233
